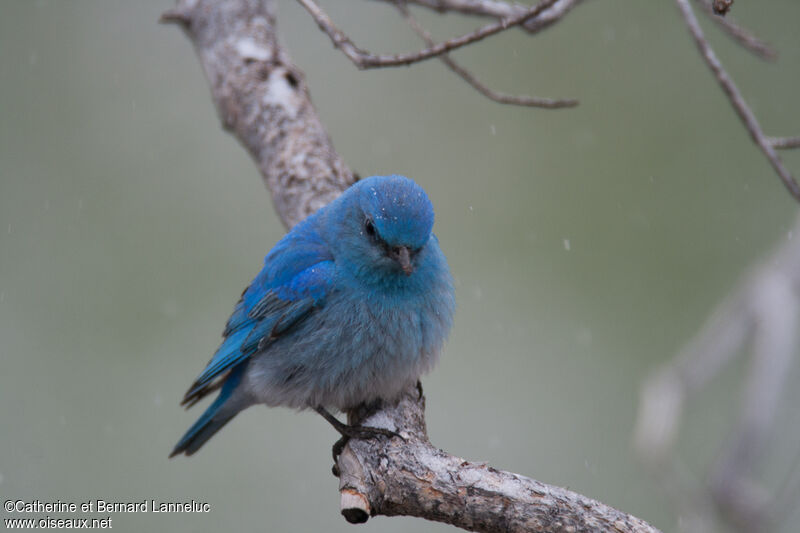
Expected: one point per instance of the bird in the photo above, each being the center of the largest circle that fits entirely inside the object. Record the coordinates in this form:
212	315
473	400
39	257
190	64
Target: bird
352	306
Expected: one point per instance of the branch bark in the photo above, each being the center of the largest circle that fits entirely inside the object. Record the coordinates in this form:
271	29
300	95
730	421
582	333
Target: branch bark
411	477
263	100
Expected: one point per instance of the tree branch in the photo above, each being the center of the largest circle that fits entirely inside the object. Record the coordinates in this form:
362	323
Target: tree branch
527	101
763	313
262	98
412	477
502	10
784	143
364	60
742	36
746	115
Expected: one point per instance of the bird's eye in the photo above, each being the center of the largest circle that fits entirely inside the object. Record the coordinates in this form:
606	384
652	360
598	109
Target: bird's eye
369	228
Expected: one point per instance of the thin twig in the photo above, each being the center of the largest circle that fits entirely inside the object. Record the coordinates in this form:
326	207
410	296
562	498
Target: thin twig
784	143
741	35
501	10
746	115
529	101
364	60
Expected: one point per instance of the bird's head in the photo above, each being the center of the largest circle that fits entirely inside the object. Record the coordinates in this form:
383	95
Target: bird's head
390	221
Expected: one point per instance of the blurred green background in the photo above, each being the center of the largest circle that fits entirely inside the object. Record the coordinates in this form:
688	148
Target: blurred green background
587	245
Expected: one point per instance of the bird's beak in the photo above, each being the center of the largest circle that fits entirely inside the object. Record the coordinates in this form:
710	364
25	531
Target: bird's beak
403	257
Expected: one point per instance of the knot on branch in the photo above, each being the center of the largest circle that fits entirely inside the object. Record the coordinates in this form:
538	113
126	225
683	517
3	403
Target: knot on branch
721	7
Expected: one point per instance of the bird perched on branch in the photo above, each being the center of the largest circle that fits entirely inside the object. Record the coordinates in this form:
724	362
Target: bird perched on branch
352	307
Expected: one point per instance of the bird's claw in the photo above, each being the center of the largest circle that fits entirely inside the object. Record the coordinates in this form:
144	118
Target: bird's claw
357	432
352	431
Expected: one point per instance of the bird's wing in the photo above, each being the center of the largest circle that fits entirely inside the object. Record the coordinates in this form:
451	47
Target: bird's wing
296	278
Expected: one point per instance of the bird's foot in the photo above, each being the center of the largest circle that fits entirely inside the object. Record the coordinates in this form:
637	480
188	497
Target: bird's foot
351	431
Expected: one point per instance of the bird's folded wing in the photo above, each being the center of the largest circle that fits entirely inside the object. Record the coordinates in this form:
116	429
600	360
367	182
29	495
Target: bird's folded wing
296	278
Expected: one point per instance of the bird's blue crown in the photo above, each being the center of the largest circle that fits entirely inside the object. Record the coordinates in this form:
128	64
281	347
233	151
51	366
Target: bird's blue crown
399	208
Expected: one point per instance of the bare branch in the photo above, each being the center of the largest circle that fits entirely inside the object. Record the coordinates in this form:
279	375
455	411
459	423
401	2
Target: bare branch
412	477
775	309
502	10
784	143
746	115
664	394
528	101
789	493
764	313
263	99
741	35
364	60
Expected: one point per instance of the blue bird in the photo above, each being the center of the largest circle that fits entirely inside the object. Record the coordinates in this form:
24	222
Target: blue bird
351	308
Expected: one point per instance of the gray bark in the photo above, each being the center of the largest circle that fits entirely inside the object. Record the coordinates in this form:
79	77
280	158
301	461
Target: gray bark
262	98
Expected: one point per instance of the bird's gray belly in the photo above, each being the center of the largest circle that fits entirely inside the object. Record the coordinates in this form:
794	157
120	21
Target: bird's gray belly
344	354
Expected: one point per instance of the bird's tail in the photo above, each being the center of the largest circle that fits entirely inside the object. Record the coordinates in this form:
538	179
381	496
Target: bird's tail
215	417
